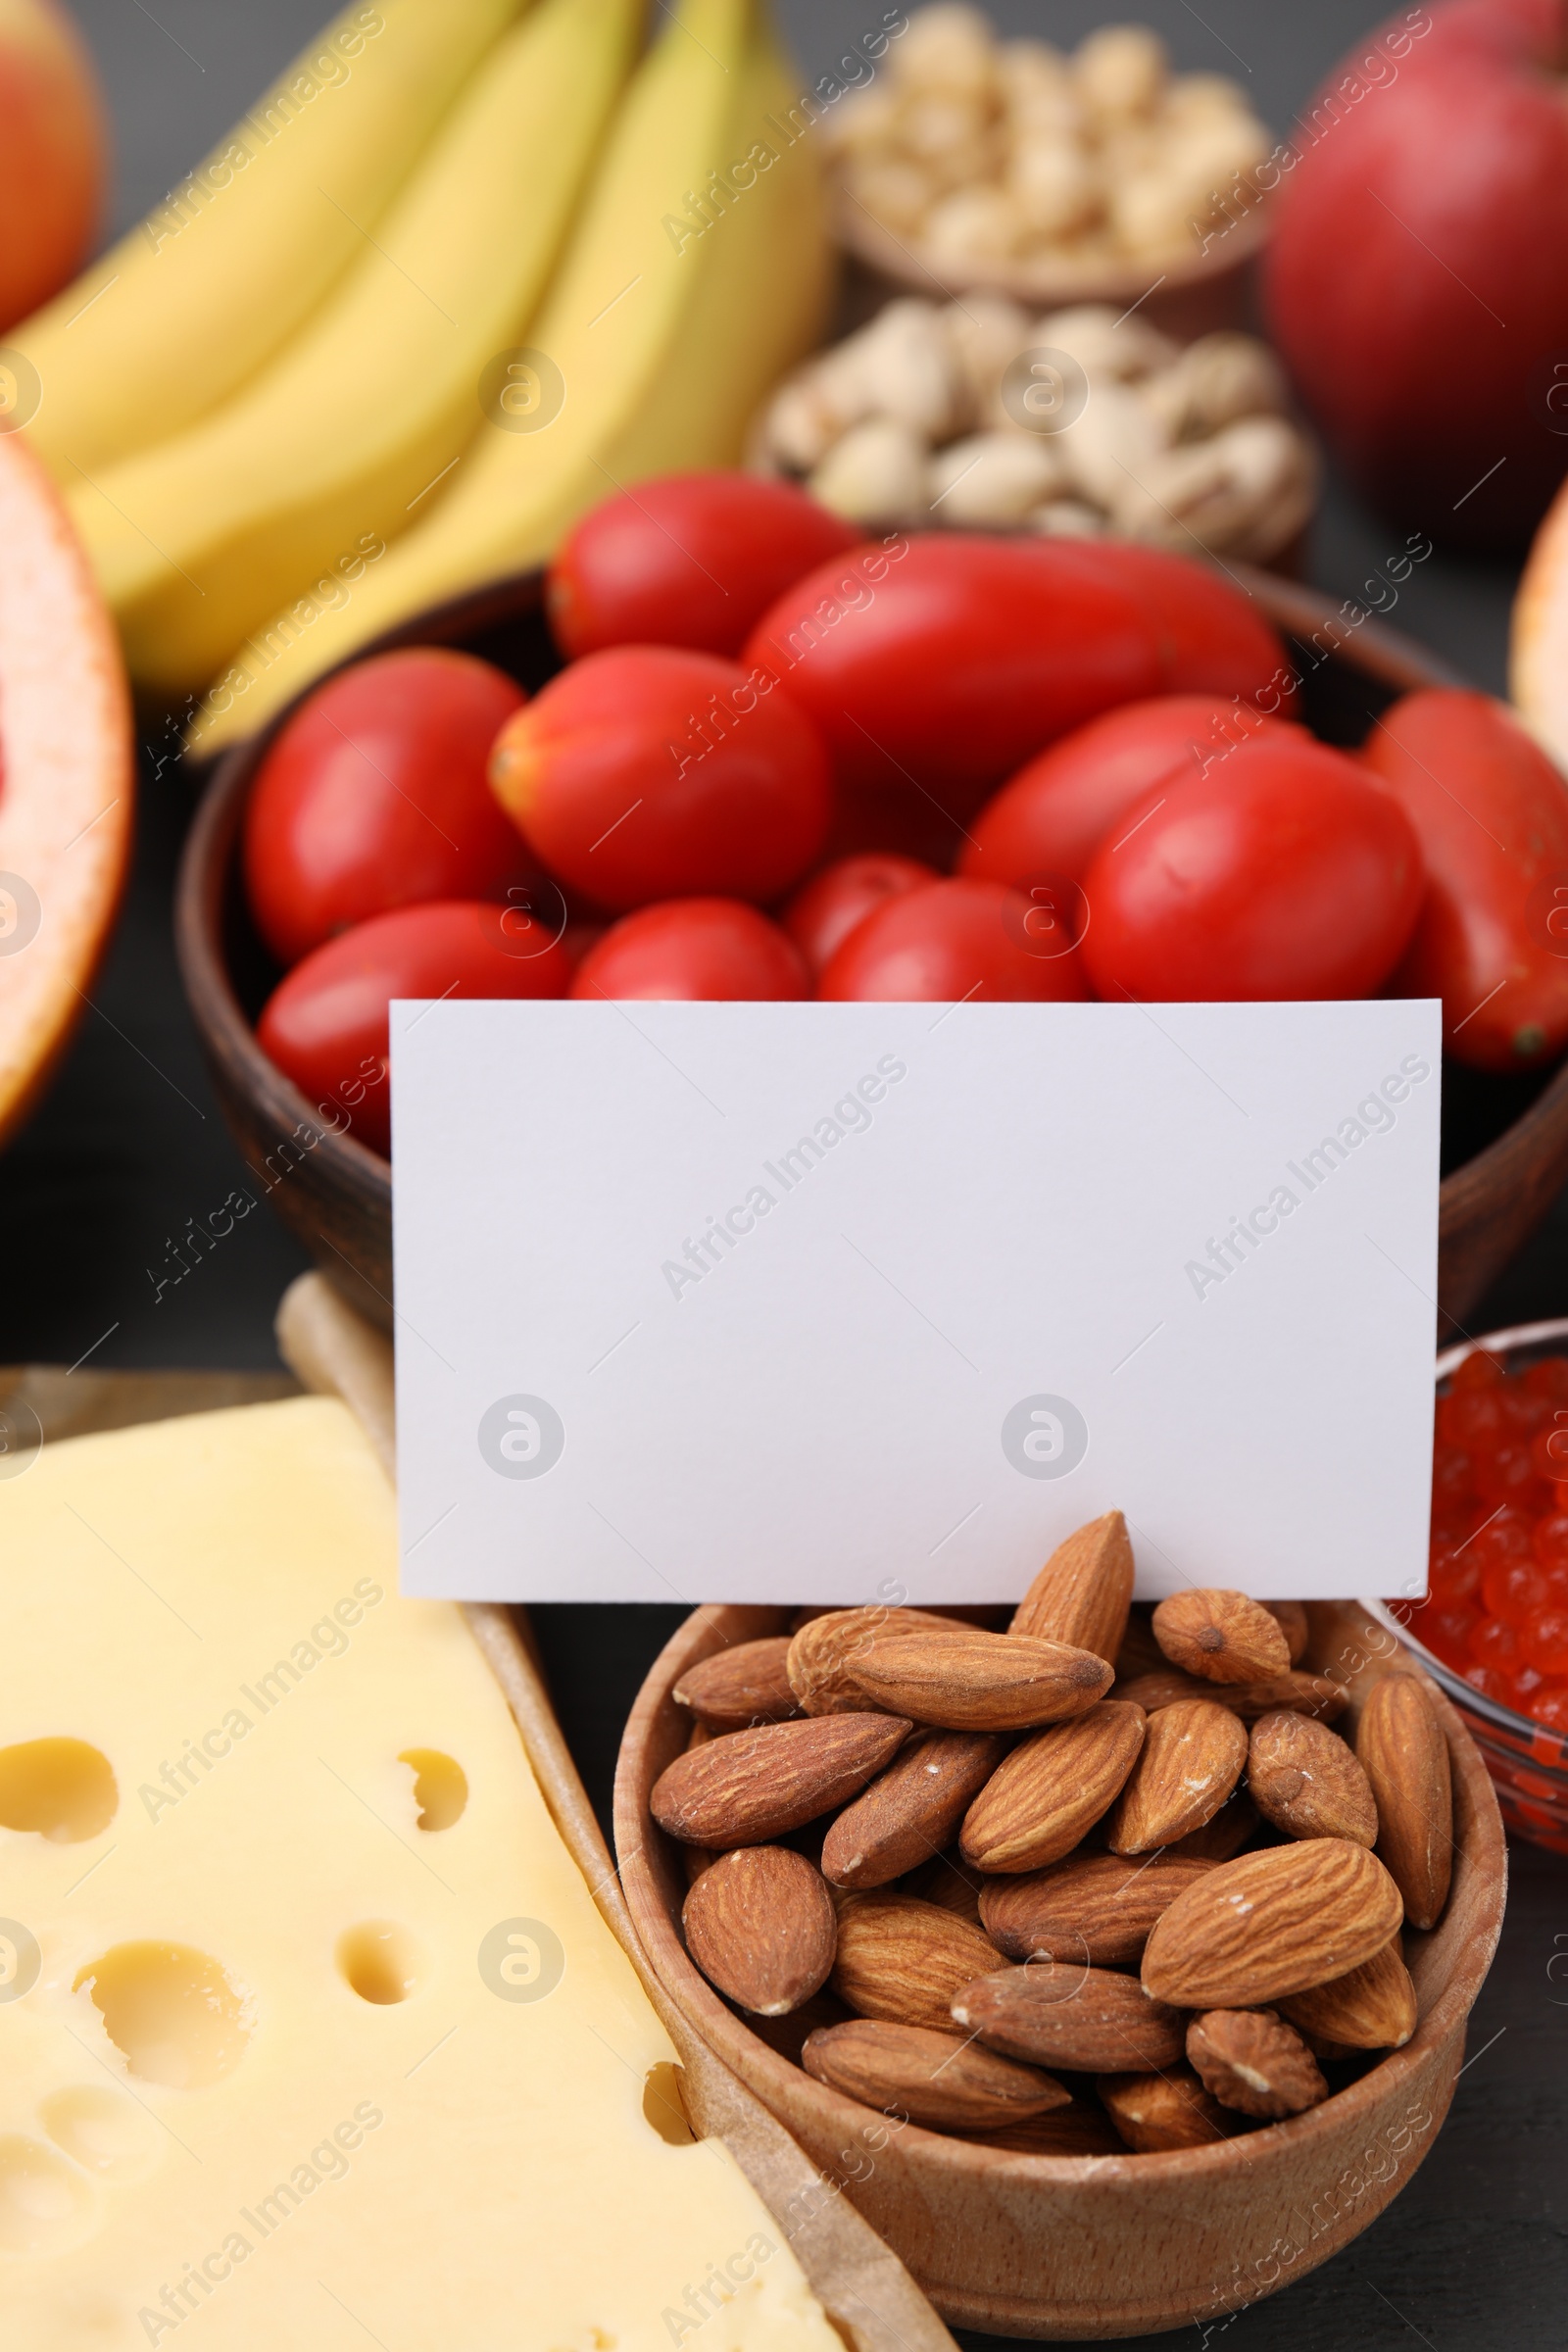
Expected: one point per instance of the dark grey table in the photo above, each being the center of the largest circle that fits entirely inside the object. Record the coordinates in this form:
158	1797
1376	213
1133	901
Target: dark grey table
129	1146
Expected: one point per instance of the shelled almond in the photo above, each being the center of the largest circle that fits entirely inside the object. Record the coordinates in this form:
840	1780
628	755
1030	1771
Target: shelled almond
938	1864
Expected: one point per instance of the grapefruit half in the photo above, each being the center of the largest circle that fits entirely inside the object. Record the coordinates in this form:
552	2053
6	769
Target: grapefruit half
67	780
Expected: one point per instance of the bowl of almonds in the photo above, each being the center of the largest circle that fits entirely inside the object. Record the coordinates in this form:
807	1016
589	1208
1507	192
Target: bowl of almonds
1114	1961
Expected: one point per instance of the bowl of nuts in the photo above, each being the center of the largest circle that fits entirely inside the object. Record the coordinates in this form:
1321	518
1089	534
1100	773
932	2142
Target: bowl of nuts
976	164
1114	1963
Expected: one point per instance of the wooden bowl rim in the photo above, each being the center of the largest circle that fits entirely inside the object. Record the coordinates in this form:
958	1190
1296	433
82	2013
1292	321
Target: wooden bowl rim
1386	653
1040	287
701	1635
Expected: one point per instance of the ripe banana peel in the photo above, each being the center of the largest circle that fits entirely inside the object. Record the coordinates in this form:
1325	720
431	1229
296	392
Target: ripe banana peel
699	271
183	309
338	442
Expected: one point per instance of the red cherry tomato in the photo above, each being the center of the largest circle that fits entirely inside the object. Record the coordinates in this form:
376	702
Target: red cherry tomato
1283	873
645	773
953	939
693	948
373	796
326	1025
942	663
825	911
691	559
1053	814
1213	638
1490	814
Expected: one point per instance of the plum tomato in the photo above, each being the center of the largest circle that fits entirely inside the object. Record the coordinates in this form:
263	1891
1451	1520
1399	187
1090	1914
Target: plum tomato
953	939
373	796
825	911
687	949
690	559
1051	816
325	1024
1212	637
647	772
1284	873
1490	814
944	661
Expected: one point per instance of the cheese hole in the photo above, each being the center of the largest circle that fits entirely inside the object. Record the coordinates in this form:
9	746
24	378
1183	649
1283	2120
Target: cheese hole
440	1786
102	2130
171	2010
63	1789
380	1961
664	2106
45	2204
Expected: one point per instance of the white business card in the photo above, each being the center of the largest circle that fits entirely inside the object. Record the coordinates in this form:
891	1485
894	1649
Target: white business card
837	1303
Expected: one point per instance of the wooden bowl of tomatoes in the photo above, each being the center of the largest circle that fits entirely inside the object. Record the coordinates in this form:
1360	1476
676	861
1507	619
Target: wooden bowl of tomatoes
726	749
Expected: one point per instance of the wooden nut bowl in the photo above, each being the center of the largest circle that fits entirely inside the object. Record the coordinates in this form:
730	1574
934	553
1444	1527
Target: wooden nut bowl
1505	1141
1058	2247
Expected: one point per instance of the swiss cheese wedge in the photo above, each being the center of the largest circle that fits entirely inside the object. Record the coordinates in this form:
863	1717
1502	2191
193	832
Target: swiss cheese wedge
310	2031
1538	652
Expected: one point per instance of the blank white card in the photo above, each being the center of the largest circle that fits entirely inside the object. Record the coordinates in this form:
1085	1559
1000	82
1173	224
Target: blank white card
839	1303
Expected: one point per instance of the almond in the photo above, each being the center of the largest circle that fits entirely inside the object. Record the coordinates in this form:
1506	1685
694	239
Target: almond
1081	1594
1081	2129
1090	1907
1190	1760
1038	1801
789	2034
1153	2113
823	1650
1249	2059
934	2078
1291	1619
1221	1637
904	1960
949	1882
969	1681
738	1687
910	1813
1306	1780
748	1787
1405	1755
1303	1694
1218	1839
1051	2014
1372	2007
1270	1923
760	1925
1140	1652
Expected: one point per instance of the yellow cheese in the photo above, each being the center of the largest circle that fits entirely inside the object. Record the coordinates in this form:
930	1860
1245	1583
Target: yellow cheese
311	2037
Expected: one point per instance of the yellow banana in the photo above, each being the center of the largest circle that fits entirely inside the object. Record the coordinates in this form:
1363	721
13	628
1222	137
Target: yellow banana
220	274
335	445
658	340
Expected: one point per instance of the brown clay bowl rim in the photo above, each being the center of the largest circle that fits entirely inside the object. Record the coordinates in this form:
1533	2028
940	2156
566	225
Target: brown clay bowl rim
790	2084
1384	654
1043	286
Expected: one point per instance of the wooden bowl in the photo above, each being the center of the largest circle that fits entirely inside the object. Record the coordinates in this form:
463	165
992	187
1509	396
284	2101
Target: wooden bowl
1186	298
1058	2247
1505	1141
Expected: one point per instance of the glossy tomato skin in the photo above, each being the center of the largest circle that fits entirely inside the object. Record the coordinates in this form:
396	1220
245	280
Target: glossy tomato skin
825	911
1284	873
693	949
325	1024
1490	813
942	662
689	558
1212	637
1051	816
953	939
373	796
611	783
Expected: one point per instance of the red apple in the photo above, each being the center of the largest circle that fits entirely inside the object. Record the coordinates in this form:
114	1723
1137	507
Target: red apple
52	153
1417	282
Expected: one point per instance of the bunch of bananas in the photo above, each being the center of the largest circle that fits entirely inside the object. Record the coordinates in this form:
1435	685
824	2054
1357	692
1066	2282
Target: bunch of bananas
469	267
